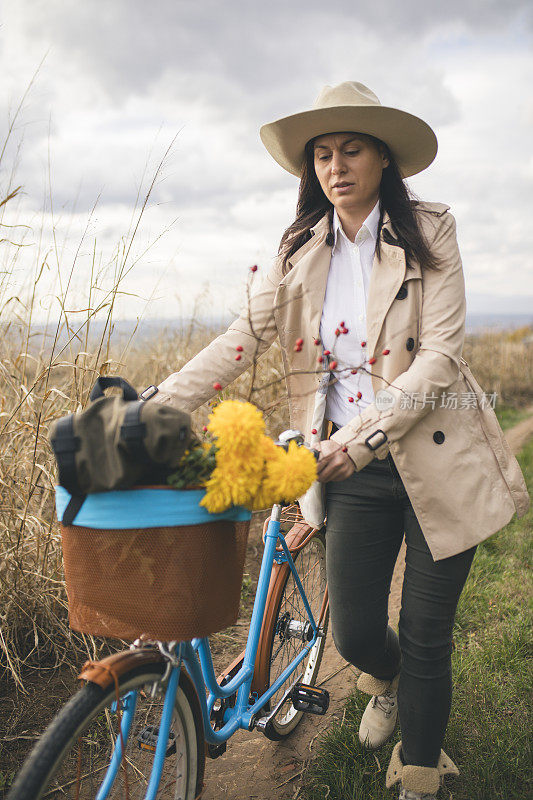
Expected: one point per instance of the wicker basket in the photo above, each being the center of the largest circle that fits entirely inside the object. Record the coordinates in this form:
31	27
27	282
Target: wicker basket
164	581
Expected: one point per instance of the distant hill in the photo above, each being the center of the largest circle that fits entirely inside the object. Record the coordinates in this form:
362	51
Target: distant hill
477	320
512	304
482	321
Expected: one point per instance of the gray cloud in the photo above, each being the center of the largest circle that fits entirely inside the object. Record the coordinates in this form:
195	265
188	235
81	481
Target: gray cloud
245	41
121	79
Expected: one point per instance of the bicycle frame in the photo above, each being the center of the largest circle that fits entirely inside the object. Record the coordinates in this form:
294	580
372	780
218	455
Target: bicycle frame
196	656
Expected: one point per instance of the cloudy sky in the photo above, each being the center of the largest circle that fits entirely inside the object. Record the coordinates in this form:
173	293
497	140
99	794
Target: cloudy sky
120	81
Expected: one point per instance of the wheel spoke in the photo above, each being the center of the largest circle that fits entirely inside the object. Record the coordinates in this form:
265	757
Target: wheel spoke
53	769
310	564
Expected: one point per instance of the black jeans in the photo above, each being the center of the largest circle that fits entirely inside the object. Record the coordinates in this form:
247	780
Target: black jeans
367	516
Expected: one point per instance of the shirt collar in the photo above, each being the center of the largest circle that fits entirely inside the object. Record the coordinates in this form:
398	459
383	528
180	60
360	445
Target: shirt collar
370	225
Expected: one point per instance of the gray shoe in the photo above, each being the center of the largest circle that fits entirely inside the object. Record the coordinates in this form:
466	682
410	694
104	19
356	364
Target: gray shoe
379	720
381	714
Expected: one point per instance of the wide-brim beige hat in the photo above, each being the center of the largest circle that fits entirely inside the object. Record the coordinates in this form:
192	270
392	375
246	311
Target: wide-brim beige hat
351	106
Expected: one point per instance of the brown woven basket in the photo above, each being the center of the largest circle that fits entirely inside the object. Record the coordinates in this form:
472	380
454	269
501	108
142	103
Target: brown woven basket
166	583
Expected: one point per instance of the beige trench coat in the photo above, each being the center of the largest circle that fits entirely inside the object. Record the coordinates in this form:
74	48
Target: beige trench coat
458	471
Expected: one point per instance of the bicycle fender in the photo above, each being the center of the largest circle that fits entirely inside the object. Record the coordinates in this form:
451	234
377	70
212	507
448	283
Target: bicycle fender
103	672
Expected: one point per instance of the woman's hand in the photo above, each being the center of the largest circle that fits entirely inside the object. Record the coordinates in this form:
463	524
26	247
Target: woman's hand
334	464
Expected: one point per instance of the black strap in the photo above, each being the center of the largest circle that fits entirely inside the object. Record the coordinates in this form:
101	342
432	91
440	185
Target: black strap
373	445
133	431
74	504
128	392
65	445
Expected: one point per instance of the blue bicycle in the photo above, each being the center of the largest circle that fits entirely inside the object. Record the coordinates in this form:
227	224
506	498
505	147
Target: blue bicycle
146	718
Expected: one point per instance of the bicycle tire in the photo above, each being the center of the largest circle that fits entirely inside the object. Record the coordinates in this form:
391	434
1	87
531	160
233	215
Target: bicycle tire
51	769
275	650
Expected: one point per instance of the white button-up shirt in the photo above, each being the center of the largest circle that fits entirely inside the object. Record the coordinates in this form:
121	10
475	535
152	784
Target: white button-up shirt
345	302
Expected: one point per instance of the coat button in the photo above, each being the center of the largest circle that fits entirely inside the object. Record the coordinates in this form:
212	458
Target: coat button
410	343
438	437
402	293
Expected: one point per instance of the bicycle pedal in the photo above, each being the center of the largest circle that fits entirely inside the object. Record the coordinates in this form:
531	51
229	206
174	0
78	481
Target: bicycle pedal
309	699
147	740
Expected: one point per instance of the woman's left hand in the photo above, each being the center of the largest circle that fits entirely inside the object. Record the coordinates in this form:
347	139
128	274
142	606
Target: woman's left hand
333	464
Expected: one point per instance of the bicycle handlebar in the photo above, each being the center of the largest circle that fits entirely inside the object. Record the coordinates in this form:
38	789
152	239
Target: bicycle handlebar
293	435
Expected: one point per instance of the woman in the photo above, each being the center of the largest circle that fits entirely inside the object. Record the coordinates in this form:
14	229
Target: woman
367	298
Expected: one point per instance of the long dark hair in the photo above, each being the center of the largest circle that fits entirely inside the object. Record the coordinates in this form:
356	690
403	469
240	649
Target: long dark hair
395	196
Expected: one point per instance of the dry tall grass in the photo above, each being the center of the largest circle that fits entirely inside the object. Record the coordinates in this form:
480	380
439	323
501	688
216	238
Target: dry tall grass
502	362
44	376
46	371
34	390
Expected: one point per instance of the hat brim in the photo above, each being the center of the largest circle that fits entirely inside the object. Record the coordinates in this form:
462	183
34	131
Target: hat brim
411	140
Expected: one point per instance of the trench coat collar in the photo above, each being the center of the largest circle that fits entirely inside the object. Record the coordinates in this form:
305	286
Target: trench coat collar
310	268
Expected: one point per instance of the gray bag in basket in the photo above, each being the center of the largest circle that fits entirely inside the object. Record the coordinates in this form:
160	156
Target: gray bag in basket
117	442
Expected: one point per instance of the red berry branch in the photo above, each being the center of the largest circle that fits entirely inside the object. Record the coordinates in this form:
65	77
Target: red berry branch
320	366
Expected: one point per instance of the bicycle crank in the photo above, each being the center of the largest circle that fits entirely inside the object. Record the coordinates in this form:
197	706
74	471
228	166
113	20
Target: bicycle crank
261	723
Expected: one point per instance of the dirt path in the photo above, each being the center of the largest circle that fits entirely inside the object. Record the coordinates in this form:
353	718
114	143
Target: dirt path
518	435
254	768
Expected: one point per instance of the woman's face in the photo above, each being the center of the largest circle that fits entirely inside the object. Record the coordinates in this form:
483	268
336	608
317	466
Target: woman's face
349	167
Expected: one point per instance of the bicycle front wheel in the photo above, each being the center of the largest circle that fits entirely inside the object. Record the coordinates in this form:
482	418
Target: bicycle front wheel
72	757
286	625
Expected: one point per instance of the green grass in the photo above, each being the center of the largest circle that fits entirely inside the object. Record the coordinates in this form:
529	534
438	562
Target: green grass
509	415
489	730
6	779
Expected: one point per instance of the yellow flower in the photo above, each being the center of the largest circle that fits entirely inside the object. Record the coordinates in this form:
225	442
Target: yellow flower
288	475
268	450
239	430
301	471
267	494
217	497
250	470
237	425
